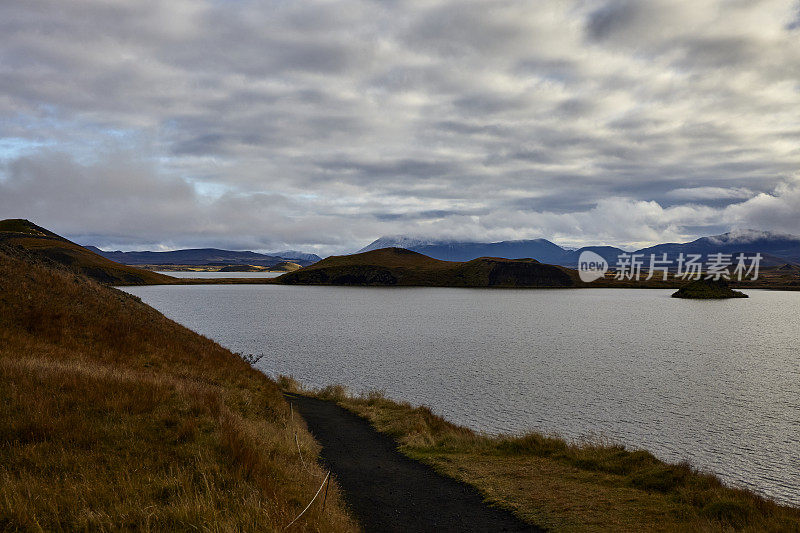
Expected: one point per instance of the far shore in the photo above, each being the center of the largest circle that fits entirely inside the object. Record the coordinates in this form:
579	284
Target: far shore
207	268
600	284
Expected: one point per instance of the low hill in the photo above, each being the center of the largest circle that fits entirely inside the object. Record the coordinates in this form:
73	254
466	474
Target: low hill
287	266
114	418
46	244
397	266
283	266
242	268
705	289
203	257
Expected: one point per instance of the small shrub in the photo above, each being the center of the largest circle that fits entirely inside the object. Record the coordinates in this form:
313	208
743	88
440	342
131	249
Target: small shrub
587	464
623	462
333	393
533	443
289	384
251	359
373	396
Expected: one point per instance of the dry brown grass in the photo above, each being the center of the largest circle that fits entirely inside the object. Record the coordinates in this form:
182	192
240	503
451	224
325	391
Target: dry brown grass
44	244
113	417
570	486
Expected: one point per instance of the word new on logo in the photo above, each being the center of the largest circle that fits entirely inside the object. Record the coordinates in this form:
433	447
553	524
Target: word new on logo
591	266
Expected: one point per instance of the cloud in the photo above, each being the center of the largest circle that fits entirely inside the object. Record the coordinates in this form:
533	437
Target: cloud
778	210
114	195
324	124
710	193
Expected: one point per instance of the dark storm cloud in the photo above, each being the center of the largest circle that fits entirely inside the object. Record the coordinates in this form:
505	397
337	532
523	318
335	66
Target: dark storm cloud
611	17
323	124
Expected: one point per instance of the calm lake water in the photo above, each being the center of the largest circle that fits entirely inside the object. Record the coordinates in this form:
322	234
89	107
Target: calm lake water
715	383
216	275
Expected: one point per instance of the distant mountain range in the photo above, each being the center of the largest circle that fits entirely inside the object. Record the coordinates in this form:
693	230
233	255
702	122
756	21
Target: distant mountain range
206	256
539	249
294	256
776	249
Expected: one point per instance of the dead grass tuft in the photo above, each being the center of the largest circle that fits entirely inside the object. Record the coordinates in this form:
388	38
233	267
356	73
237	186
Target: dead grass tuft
289	384
334	393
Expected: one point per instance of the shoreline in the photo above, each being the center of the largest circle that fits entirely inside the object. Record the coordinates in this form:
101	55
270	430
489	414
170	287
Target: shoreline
597	285
530	474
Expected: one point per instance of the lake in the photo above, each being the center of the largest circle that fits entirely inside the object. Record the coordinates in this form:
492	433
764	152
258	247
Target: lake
716	383
217	275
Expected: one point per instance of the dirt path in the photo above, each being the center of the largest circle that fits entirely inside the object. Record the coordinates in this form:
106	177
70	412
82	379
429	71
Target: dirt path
386	490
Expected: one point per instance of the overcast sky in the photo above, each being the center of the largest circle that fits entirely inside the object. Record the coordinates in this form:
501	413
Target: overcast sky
321	125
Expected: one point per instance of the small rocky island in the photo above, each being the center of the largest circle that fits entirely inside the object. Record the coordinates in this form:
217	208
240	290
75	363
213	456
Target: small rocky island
706	289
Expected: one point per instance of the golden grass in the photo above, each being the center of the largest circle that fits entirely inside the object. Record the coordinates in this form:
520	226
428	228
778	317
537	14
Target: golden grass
43	243
568	486
113	417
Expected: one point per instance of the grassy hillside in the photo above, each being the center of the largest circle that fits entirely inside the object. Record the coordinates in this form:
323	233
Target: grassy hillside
397	266
44	243
113	417
287	266
563	486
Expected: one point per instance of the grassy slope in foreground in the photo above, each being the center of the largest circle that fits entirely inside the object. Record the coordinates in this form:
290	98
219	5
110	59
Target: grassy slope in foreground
569	486
45	243
398	266
114	417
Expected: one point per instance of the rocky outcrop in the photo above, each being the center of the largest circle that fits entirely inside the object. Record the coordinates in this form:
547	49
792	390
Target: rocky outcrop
705	289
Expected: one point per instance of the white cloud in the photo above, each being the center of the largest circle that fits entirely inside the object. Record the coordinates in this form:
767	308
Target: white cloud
336	121
710	193
778	210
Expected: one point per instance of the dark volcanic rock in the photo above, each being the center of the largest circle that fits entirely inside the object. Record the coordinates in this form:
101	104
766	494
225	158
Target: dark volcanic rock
705	289
355	275
527	274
